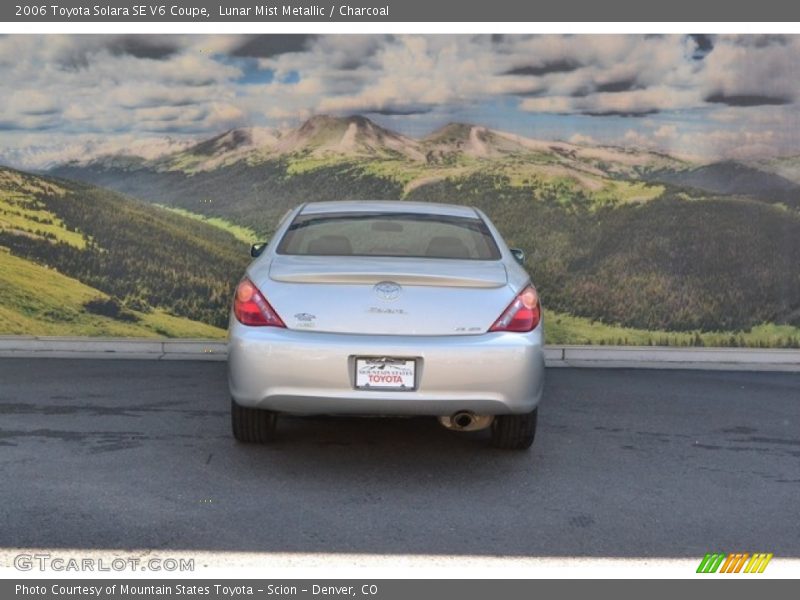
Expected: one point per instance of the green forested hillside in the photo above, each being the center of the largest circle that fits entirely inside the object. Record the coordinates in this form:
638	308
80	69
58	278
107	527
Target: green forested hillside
35	300
561	328
251	196
730	177
143	256
711	264
678	262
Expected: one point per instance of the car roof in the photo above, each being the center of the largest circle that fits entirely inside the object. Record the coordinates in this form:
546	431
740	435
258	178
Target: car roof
425	208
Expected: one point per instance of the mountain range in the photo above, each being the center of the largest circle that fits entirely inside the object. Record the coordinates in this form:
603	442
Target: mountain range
606	173
326	136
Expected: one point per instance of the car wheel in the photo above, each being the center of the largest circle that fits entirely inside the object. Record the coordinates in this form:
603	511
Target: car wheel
514	432
252	425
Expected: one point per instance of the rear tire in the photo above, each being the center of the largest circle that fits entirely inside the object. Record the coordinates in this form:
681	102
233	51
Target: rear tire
514	432
252	425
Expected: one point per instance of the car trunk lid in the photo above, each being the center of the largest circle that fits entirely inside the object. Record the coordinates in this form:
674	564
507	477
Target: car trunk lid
386	296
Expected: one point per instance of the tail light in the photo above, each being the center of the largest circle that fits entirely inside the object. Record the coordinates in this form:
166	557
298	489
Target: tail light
251	308
523	314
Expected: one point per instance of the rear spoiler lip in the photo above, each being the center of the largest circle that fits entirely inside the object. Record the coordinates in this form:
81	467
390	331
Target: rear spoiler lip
432	272
400	278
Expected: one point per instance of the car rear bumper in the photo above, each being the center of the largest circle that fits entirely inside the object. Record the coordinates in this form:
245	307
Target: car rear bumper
303	372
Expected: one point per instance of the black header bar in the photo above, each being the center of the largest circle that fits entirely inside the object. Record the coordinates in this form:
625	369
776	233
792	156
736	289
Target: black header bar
395	11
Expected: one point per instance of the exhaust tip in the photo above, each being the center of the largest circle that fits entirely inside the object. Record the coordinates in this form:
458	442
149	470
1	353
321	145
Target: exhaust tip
466	420
463	419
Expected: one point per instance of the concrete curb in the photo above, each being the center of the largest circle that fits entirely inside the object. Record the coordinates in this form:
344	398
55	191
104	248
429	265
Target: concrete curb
649	357
630	357
119	348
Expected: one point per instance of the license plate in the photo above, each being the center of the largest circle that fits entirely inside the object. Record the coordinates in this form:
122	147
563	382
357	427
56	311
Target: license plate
385	373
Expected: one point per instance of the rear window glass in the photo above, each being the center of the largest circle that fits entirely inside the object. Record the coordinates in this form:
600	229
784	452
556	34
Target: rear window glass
409	235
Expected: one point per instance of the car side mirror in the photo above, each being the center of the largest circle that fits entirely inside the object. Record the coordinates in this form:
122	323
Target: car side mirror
518	254
257	249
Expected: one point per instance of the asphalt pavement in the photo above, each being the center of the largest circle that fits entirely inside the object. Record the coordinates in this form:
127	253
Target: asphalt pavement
627	463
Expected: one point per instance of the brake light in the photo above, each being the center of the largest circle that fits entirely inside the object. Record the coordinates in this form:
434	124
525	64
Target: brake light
251	308
523	314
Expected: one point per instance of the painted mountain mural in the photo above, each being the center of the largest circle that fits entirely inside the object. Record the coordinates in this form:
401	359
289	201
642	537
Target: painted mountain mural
656	194
620	241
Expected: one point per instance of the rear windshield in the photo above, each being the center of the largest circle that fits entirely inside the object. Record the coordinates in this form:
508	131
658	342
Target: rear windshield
409	235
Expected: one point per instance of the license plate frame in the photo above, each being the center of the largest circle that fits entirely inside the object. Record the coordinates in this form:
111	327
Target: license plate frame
399	374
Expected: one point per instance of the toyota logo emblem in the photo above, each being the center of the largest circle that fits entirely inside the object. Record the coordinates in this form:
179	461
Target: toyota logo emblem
387	290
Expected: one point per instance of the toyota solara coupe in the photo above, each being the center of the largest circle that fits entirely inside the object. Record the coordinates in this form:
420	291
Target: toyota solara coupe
387	308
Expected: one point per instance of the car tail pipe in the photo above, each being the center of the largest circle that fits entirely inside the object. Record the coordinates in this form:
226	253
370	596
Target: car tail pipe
466	420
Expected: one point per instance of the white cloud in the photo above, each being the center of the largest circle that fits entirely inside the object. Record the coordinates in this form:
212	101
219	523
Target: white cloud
64	149
739	98
666	132
224	115
752	66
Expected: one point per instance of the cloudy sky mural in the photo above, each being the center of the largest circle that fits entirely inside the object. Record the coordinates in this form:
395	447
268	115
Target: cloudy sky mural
702	96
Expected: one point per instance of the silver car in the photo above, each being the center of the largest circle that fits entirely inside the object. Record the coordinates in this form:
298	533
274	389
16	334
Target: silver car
387	308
